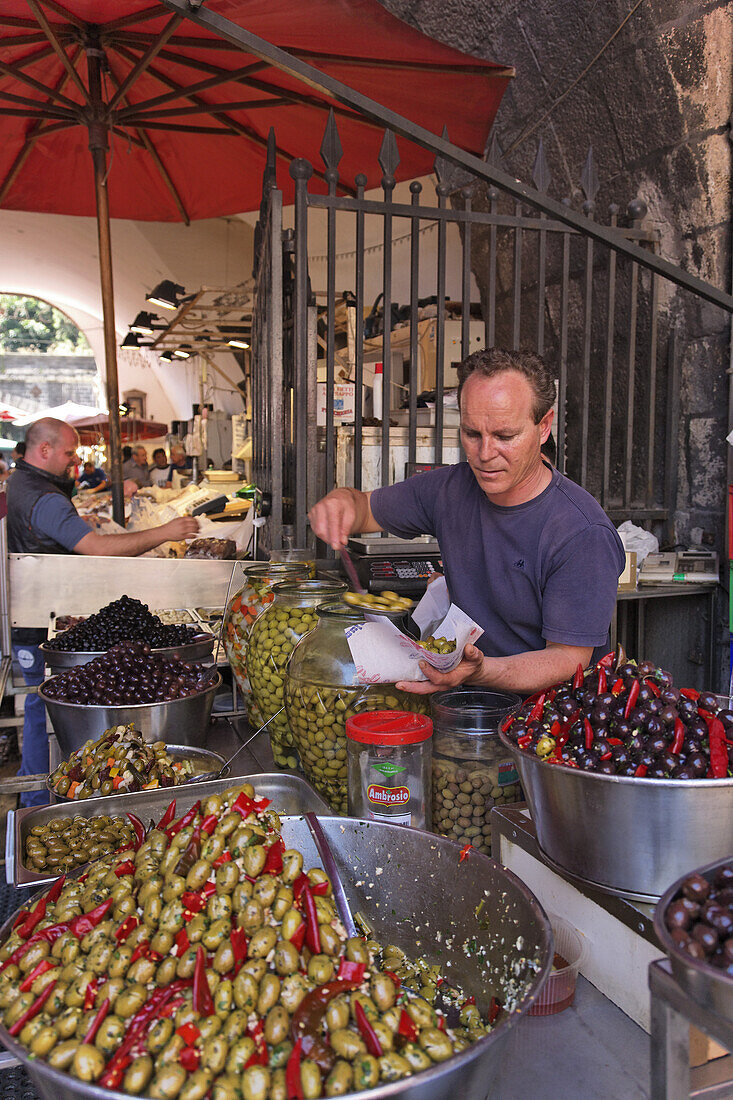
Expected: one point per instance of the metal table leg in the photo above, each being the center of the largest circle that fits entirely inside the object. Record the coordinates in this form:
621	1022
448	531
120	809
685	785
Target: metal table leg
670	1052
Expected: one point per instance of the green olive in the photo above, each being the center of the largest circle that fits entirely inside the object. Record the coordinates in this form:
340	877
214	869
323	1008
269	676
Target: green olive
269	993
44	1041
347	1044
320	969
338	1014
417	1058
196	1085
277	1025
393	1067
226	1087
224	958
138	1075
287	959
159	1034
239	1054
339	1080
168	1082
62	1055
435	1043
382	990
256	1083
262	943
214	1054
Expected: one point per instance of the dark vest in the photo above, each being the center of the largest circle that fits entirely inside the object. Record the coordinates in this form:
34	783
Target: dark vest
25	488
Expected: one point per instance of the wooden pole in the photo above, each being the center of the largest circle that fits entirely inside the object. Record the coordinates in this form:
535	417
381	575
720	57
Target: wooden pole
98	146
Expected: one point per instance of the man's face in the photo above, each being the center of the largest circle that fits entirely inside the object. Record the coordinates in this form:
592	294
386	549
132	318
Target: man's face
140	456
58	457
499	435
161	461
88	467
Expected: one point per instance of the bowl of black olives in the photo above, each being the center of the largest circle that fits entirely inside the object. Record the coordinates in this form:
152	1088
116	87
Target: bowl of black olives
167	698
124	620
694	923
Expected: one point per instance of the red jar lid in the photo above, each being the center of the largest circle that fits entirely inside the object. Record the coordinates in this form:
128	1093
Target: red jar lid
389	727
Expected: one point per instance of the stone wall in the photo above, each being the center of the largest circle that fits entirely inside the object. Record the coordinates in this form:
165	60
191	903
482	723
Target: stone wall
655	107
33	382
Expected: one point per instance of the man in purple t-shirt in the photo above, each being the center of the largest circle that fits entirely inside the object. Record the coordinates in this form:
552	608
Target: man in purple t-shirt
528	554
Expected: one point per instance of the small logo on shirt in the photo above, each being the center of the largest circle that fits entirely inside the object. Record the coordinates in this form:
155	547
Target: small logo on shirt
519	563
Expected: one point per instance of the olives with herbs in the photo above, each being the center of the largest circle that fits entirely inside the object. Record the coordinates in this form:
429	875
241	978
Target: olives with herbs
123	620
128	674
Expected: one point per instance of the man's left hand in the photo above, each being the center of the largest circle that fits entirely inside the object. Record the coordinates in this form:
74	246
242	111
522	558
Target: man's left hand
469	667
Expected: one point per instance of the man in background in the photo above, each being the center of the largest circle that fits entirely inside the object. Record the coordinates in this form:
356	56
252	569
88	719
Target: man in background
159	474
92	478
42	520
136	469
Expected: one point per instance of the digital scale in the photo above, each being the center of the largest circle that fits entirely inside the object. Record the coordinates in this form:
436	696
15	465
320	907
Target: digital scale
398	565
681	567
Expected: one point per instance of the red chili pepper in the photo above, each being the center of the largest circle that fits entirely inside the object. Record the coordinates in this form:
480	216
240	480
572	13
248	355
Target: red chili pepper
351	971
606	661
407	1027
536	711
189	1059
397	981
54	893
368	1033
245	805
209	824
312	930
300	884
578	678
225	857
127	926
182	943
97	1021
690	693
640	771
618	687
240	942
185	821
495	1008
209	889
194	902
32	1012
602	680
607	755
293	1083
203	1002
33	919
125	868
507	722
90	995
653	687
189	1033
140	951
464	853
441	1023
137	1027
139	829
43	967
679	736
274	858
524	740
168	816
614	741
85	922
298	938
589	735
718	751
633	696
305	1023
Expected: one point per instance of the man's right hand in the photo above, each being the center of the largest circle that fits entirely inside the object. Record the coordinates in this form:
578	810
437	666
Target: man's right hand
335	517
184	528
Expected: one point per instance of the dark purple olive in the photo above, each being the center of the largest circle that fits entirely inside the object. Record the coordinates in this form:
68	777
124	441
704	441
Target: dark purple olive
600	716
664	679
567	706
707	701
677	916
645	694
657	745
646	668
647	759
620	754
696	888
697	727
669	761
684	771
722	921
657	771
687	708
728	949
724	875
668	714
679	936
628	769
606	767
605	699
698	762
600	746
636	743
706	936
638	717
696	950
656	729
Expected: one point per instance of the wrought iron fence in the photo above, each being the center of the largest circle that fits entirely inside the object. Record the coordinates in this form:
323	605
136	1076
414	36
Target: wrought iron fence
597	315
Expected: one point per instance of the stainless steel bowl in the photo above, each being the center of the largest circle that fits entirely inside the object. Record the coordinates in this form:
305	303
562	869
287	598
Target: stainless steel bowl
178	721
708	986
629	837
414	893
210	762
69	658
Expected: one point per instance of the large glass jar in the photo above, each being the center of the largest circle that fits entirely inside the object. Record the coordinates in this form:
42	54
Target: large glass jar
243	609
273	636
322	691
472	771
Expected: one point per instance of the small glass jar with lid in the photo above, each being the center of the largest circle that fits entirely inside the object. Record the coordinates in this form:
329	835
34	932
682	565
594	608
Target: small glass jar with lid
243	609
322	691
389	767
273	636
472	771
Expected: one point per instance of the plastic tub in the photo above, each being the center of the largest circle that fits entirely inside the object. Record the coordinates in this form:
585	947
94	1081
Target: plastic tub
558	992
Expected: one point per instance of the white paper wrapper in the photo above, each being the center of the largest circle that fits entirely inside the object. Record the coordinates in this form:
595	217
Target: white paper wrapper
383	654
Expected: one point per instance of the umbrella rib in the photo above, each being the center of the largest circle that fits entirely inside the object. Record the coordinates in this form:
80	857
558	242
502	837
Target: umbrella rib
13	70
57	47
243	105
141	17
24	40
144	62
49	109
233	125
74	19
202	86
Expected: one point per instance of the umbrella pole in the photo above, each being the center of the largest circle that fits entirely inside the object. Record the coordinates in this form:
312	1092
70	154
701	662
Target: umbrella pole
98	147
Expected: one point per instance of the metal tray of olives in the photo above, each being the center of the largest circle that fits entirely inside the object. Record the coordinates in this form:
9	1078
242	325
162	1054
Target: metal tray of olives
708	986
196	650
289	794
210	763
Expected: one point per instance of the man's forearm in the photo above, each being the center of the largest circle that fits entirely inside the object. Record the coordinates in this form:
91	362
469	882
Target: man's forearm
363	513
532	671
127	545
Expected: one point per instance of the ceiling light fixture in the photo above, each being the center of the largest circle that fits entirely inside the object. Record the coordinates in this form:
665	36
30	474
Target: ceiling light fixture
131	341
236	342
183	352
167	356
143	323
167	295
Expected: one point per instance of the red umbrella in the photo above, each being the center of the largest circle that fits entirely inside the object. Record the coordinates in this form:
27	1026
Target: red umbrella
177	119
91	428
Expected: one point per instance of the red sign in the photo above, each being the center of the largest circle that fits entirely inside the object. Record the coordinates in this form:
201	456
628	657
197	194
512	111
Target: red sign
388	796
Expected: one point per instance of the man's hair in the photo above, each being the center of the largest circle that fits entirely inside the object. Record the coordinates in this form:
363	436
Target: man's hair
158	451
493	361
46	430
89	463
126	453
20	448
138	449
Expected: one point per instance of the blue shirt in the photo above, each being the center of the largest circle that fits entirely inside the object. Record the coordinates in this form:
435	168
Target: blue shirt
57	518
543	571
92	480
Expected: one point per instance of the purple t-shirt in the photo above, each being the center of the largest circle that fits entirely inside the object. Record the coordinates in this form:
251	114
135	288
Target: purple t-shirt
543	571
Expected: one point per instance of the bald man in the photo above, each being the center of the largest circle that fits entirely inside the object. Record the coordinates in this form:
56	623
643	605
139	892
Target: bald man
42	520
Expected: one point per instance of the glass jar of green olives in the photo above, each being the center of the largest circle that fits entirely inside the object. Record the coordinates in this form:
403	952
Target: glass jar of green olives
322	691
472	771
273	636
243	609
